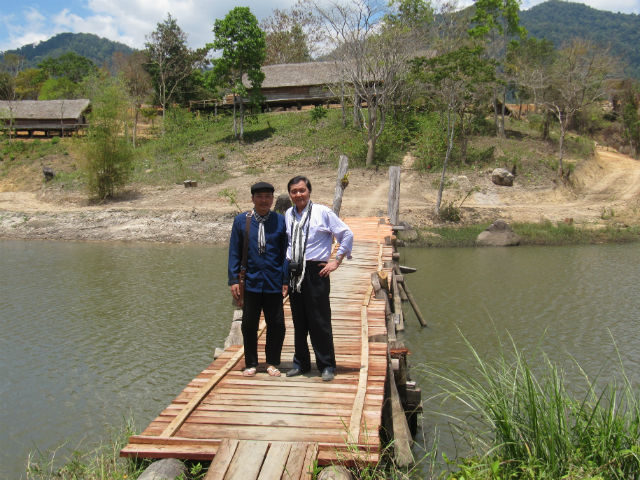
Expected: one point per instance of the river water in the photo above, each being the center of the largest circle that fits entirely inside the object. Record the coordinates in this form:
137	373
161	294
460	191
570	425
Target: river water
96	333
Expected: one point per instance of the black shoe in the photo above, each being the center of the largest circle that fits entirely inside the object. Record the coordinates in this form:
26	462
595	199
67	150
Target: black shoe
328	374
294	372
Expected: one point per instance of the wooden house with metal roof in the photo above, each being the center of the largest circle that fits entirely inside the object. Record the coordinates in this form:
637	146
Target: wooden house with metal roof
48	117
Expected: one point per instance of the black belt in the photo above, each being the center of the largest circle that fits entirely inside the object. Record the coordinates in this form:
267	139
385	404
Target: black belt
315	262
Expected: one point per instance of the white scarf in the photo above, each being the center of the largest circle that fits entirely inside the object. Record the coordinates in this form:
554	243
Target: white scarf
299	236
262	241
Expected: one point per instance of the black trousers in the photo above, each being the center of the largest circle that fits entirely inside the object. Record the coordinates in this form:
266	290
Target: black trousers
311	313
271	304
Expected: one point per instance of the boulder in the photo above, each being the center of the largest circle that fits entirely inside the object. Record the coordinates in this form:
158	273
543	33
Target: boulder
498	234
502	177
48	173
283	202
165	469
335	472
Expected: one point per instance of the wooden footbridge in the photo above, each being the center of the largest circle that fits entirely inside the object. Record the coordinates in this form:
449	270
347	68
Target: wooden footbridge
278	427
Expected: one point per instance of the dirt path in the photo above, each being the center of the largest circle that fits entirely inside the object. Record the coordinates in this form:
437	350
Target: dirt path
607	188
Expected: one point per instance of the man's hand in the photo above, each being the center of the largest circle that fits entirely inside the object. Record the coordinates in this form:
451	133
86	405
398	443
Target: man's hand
235	291
285	290
328	268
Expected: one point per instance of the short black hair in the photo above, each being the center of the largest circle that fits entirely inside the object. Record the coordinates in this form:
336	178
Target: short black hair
298	179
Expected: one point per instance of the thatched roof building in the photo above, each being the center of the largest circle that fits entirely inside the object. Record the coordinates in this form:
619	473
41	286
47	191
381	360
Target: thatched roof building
48	116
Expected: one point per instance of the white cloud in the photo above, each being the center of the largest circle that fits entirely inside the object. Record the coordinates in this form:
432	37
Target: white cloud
130	21
126	21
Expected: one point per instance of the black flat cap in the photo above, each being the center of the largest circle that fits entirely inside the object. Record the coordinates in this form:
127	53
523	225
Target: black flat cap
262	187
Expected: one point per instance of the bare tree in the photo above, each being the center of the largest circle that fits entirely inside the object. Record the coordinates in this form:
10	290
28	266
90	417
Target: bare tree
370	57
137	81
578	79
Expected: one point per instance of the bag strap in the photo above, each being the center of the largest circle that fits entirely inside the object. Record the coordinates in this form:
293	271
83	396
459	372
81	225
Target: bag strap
245	246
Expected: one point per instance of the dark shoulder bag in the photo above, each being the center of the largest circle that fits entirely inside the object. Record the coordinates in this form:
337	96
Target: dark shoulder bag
243	265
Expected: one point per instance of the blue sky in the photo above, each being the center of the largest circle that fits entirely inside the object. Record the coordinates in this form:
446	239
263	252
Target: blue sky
129	21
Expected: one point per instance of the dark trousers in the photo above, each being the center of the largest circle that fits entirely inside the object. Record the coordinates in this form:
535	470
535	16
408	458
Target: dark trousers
271	304
311	313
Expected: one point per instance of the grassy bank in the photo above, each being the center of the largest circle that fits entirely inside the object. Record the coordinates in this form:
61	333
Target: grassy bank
522	422
545	233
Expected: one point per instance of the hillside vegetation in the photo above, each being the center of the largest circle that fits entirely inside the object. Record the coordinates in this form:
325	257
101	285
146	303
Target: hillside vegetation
560	22
97	49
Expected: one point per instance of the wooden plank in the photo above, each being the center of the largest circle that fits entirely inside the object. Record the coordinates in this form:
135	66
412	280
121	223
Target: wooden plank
247	460
358	402
295	462
276	460
193	403
309	462
224	456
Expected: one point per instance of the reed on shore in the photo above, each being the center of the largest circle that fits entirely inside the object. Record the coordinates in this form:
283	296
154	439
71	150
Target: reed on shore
528	425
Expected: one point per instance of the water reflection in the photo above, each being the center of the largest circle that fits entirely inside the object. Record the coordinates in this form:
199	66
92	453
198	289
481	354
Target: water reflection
94	333
576	305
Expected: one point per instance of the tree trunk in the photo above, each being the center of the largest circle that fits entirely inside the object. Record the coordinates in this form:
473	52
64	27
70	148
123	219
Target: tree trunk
241	119
343	106
135	125
235	124
356	111
371	133
561	145
504	106
450	133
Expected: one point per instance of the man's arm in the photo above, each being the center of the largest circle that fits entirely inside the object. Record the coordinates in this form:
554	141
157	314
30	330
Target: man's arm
235	252
344	236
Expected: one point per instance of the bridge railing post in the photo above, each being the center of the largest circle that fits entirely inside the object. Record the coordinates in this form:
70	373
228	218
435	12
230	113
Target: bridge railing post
393	205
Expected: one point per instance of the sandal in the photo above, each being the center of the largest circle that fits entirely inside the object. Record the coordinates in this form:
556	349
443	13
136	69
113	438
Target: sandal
273	371
249	372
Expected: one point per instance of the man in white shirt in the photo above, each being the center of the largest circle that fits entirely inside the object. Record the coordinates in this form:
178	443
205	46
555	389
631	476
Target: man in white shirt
311	229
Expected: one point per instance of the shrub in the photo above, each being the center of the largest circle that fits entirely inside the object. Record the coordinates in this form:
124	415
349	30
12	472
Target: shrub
318	113
107	152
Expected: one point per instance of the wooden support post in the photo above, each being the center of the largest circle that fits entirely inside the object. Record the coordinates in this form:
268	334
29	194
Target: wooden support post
341	183
391	326
393	205
397	306
413	303
401	433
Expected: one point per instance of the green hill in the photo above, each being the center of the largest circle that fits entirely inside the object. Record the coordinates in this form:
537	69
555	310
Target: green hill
99	50
560	21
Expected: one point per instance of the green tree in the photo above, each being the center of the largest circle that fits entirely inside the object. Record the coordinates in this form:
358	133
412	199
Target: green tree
59	89
631	116
497	21
69	65
170	61
292	36
108	154
243	47
29	82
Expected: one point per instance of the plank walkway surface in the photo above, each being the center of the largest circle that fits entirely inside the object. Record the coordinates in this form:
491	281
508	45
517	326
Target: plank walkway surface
341	418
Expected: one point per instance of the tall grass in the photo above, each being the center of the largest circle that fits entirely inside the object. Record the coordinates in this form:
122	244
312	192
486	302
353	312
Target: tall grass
103	462
524	425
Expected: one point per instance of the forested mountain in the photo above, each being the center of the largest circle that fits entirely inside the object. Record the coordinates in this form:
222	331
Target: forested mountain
99	50
560	21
